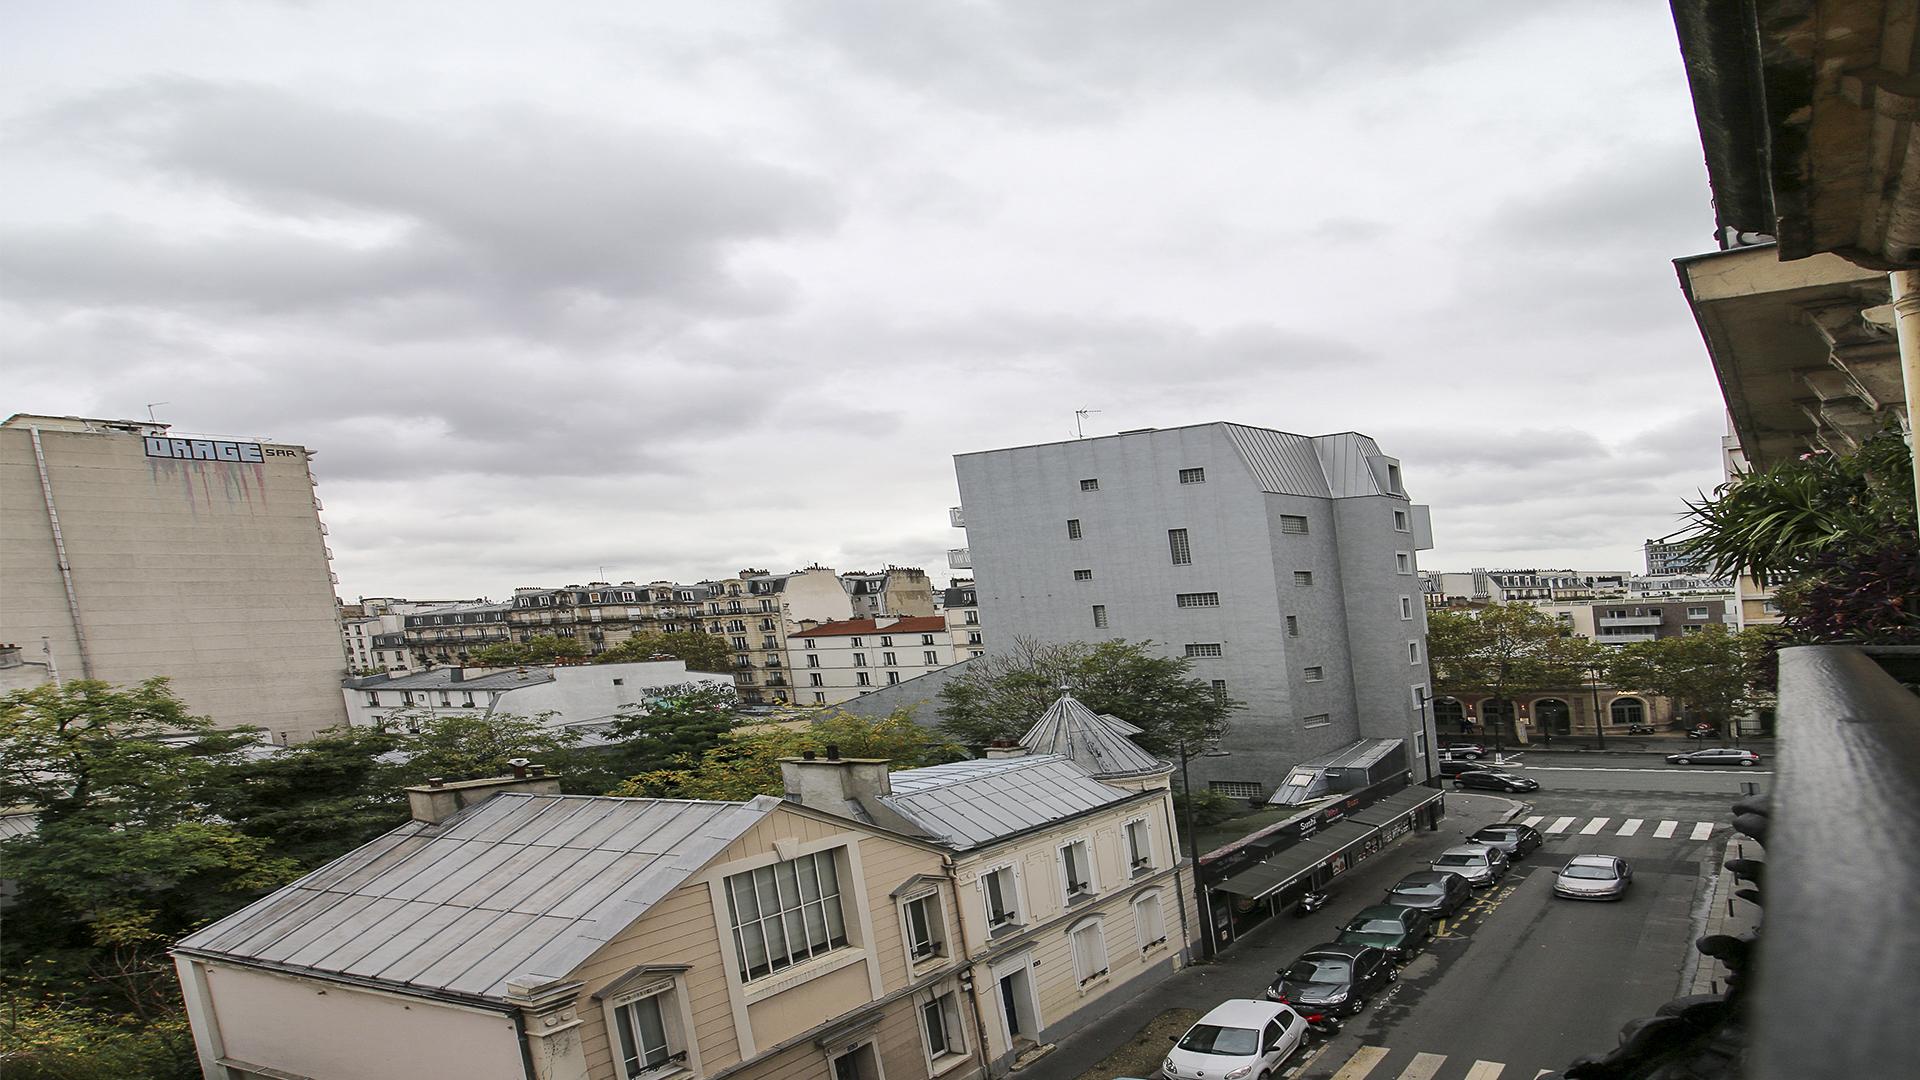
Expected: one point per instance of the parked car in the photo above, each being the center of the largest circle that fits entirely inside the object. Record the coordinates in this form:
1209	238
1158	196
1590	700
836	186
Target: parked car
1514	838
1717	755
1464	750
1480	864
1593	877
1400	931
1333	978
1239	1037
1451	767
1489	780
1438	893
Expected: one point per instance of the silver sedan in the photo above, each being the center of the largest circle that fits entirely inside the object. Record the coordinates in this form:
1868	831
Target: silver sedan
1594	877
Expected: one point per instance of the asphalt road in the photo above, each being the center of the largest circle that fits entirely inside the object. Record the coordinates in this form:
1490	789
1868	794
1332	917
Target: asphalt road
1527	982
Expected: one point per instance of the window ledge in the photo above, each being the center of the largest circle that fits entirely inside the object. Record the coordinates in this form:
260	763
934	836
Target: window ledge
1142	870
1005	929
1079	898
946	1063
1087	984
768	985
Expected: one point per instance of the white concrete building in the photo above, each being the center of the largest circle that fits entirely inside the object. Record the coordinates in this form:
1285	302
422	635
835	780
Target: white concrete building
1283	565
961	612
838	661
584	696
136	553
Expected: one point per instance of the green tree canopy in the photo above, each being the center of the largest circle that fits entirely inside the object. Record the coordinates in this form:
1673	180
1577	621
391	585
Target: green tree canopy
1001	695
470	746
748	762
316	800
679	722
700	652
1711	675
538	649
1503	650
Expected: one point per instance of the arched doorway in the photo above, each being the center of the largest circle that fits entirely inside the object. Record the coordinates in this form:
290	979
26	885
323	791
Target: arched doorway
1551	716
1449	716
1628	710
1496	717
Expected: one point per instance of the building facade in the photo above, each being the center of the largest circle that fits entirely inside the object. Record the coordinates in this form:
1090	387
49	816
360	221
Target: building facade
838	661
961	611
135	553
585	696
1284	565
897	590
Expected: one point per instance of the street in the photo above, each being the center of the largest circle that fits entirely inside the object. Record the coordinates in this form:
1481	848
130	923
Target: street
1523	982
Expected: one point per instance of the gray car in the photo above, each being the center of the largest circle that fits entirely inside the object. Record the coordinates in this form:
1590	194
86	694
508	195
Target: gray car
1480	864
1593	877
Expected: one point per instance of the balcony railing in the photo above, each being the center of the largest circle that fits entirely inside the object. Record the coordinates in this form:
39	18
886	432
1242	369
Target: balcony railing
957	516
1627	620
959	558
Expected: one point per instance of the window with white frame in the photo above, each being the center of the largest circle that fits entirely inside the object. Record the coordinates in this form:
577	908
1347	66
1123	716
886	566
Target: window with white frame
861	678
1400	521
1000	892
1406	607
1196	599
930	658
785	913
1205	648
1403	562
1413	652
812	644
648	1038
1149	920
1076	870
1089	951
1139	845
888	659
940	1023
857	643
926	929
893	678
926	639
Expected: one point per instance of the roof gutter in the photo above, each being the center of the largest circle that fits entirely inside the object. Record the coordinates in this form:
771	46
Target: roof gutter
445	997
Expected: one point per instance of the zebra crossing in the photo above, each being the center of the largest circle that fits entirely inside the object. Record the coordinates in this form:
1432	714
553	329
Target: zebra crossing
1665	830
1365	1063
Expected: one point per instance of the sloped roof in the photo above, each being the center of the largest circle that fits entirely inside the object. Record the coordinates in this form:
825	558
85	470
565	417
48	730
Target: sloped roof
970	804
1089	740
912	624
519	886
442	679
1322	466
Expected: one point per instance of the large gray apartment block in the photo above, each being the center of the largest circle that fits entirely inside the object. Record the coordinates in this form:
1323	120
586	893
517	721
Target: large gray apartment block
1286	565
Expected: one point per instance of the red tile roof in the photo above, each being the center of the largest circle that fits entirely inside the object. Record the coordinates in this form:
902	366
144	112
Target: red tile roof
911	624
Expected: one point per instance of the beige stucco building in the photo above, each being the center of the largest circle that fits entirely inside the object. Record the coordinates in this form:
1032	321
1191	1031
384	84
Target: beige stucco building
136	553
838	661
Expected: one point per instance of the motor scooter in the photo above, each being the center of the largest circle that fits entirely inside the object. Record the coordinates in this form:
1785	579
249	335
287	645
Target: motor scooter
1321	1023
1310	902
1639	729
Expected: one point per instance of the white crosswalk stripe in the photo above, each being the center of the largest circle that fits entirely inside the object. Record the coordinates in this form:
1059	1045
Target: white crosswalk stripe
1665	830
1632	826
1536	819
1702	830
1361	1063
1560	825
1594	826
1485	1070
1423	1067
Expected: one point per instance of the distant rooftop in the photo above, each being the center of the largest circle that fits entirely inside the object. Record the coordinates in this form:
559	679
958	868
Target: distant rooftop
1090	740
970	804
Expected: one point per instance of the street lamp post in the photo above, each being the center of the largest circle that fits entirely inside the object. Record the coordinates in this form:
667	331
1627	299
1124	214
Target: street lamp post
1428	738
1193	842
1599	722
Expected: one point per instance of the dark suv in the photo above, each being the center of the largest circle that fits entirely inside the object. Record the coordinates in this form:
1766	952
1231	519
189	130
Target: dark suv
1515	839
1487	780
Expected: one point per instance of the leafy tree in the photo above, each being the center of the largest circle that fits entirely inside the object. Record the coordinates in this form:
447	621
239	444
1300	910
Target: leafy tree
1000	696
700	652
1711	674
748	763
1839	529
469	746
48	1037
538	649
1503	650
316	800
678	722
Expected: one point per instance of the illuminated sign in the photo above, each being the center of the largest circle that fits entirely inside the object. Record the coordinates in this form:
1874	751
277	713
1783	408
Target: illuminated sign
206	450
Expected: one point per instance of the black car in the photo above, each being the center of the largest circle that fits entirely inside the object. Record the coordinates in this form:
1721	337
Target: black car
1449	767
1439	893
1489	780
1333	978
1514	839
1464	750
1400	931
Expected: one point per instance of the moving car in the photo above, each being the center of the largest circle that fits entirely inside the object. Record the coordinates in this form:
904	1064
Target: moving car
1489	780
1480	864
1451	767
1438	893
1718	755
1514	839
1400	931
1237	1038
1463	750
1593	877
1333	978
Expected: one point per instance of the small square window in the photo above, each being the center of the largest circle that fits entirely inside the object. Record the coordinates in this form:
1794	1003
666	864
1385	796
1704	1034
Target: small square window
619	682
1316	720
1403	562
1083	575
1314	673
1205	649
1193	476
1090	484
1303	579
1073	528
1400	521
1220	691
1293	524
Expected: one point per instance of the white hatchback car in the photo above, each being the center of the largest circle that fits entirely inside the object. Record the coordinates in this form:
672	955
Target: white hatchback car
1238	1040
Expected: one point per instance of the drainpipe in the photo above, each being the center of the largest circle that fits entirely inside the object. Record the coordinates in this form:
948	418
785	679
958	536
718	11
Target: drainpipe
1179	887
60	557
966	968
1906	328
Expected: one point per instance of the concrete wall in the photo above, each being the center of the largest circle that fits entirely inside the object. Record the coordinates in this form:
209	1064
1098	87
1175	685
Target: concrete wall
213	573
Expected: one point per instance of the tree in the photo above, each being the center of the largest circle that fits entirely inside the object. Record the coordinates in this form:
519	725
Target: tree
748	763
316	800
1710	675
700	652
538	649
1838	529
678	722
1001	696
469	746
1503	650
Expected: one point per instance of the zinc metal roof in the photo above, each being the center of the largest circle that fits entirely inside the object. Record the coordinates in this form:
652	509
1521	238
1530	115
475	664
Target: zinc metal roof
1089	740
1322	466
19	823
1354	755
519	886
969	804
442	679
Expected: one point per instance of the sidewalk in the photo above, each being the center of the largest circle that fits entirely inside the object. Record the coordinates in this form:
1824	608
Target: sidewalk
1725	914
1247	966
1636	744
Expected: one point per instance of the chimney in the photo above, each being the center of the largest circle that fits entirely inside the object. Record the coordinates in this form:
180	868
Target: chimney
436	800
846	787
1002	748
455	674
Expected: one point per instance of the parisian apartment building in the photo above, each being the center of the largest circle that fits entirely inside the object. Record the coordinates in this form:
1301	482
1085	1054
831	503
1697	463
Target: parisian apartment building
1284	566
129	551
1610	607
838	661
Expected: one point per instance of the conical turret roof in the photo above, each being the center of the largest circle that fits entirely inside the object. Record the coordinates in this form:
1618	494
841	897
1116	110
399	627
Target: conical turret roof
1096	743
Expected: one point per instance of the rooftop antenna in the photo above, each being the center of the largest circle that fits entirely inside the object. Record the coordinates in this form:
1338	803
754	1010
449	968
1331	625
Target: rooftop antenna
151	406
1079	419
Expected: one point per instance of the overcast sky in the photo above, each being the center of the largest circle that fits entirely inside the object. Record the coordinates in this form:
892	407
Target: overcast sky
675	289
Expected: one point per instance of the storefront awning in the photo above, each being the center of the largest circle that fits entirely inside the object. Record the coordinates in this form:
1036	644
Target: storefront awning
1283	868
1395	806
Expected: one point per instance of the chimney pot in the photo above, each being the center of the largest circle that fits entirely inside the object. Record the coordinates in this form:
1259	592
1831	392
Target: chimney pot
536	770
436	781
808	755
833	752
